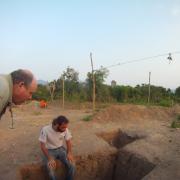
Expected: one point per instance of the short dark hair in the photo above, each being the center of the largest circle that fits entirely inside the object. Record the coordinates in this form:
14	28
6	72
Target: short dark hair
60	120
21	75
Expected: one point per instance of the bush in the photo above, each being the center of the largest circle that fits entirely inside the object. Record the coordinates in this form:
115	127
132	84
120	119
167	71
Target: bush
178	117
176	122
41	93
88	118
166	103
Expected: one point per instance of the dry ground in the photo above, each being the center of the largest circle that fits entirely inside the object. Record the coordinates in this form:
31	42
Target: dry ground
156	142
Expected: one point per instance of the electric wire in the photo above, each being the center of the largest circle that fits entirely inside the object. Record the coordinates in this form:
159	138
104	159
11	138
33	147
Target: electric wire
140	59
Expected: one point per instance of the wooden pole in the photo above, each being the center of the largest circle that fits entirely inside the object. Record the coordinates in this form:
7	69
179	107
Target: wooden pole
63	92
94	84
149	91
12	118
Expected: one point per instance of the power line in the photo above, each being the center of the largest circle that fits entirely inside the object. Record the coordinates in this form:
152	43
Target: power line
143	59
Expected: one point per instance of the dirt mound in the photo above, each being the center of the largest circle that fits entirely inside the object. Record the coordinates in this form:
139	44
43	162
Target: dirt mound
132	113
38	171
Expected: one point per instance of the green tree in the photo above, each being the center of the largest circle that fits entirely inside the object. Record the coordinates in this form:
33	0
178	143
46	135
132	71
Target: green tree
102	91
71	82
71	74
41	93
177	92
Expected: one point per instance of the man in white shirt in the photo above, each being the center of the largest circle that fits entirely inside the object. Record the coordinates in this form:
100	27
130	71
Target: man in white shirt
51	141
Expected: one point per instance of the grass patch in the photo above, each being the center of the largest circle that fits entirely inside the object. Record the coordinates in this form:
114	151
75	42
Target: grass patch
103	106
165	103
97	110
37	113
178	117
88	118
176	122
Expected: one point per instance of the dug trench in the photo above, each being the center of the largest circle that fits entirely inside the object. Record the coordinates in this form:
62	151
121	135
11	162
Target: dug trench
116	165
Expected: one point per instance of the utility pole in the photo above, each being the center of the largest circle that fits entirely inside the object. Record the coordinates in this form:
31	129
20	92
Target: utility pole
94	85
149	91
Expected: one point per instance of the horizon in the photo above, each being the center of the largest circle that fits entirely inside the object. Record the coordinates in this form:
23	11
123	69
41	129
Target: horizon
45	82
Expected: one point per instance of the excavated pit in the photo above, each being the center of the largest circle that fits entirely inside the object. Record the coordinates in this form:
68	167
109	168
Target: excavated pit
131	166
118	138
116	165
127	166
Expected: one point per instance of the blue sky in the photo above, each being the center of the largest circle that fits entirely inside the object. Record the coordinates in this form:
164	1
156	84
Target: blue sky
50	35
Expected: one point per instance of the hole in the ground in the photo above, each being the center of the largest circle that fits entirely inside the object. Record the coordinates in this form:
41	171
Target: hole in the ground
130	166
118	138
116	165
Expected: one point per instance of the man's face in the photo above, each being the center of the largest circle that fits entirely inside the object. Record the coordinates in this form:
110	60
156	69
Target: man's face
21	93
62	127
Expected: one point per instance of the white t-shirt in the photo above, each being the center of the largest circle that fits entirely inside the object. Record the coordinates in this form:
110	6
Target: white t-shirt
52	138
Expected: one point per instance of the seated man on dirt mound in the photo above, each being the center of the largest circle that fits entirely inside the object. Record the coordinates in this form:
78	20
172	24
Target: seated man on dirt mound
16	87
51	141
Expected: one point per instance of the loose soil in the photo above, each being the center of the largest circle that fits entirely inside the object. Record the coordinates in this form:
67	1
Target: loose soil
125	142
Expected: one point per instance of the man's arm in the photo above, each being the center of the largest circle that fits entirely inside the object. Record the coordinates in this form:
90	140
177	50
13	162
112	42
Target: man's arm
4	95
44	150
69	150
51	161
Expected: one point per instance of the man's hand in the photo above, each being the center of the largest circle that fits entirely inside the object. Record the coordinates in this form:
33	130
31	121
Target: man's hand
51	163
69	152
70	157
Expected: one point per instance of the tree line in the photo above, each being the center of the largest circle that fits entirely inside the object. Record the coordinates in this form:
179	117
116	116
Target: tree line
76	90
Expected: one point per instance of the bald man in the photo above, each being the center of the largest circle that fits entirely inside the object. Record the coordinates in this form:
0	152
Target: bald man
17	87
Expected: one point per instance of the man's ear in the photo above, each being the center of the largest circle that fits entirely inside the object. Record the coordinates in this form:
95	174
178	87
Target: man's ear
21	84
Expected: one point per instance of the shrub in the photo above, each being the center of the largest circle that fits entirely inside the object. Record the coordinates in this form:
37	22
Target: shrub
166	103
176	122
88	118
